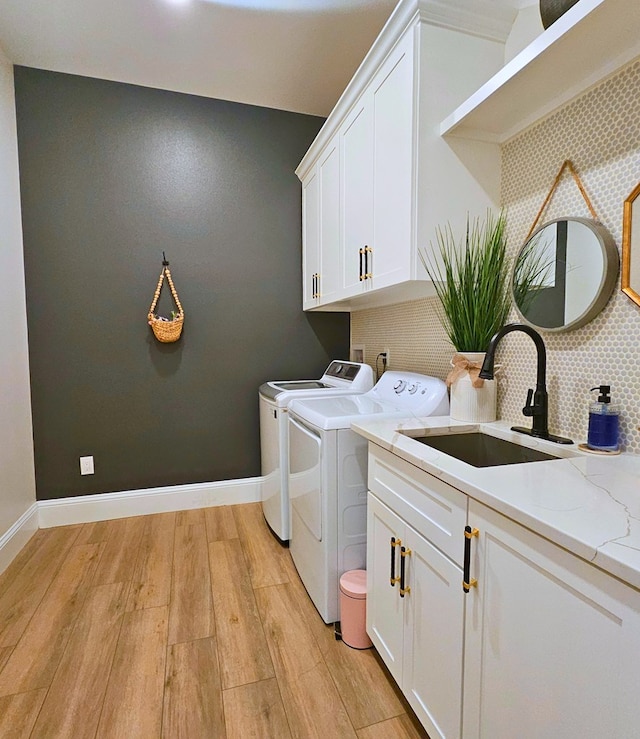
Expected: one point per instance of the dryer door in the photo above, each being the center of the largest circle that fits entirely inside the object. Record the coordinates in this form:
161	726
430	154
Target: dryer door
305	476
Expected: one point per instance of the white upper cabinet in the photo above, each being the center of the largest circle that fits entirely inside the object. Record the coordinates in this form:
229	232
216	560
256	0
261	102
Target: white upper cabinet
356	143
330	246
392	103
311	238
321	229
375	141
399	179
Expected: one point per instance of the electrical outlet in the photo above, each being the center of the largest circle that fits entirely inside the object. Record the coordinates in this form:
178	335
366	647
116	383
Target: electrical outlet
86	466
388	353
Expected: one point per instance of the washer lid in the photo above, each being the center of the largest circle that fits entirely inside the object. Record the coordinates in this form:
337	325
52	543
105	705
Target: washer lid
273	389
299	384
283	398
340	378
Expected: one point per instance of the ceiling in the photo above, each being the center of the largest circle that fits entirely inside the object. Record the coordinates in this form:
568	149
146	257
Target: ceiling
288	54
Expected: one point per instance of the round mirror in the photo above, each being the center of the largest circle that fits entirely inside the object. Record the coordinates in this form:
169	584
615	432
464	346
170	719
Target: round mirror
564	274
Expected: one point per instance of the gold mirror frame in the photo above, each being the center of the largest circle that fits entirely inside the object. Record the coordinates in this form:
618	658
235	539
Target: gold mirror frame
627	219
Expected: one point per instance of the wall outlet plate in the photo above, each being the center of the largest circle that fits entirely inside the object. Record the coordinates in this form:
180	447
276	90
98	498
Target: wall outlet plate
86	466
357	353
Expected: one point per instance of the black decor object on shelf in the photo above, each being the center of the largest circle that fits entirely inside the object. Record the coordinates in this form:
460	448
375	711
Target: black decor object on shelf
551	10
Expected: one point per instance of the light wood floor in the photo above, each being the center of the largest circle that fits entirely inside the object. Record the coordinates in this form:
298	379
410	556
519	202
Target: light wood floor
190	624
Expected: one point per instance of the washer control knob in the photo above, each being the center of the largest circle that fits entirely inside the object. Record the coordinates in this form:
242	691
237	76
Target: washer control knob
399	386
413	388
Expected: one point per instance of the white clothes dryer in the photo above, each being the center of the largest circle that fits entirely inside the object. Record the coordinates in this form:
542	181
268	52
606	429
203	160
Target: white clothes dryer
328	477
340	378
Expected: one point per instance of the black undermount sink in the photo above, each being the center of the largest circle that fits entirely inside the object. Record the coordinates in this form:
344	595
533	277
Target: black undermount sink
482	450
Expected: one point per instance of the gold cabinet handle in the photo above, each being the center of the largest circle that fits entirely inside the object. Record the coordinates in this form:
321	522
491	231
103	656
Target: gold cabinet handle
393	578
368	274
468	581
404	588
315	285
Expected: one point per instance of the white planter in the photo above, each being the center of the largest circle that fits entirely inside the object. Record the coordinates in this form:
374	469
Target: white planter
469	403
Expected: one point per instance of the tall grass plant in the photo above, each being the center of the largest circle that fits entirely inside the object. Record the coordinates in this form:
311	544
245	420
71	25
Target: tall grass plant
471	279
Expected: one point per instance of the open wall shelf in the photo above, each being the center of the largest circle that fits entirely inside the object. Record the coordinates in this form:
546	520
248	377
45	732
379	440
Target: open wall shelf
591	41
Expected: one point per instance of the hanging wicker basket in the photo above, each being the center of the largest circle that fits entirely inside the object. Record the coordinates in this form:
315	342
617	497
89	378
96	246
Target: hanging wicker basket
165	330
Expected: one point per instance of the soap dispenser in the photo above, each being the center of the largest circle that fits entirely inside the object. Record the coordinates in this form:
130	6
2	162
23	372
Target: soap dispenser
603	422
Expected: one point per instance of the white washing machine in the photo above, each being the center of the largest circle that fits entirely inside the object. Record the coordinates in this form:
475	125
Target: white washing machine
340	378
328	477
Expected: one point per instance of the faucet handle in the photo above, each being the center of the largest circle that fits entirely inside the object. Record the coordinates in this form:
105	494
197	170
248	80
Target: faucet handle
528	409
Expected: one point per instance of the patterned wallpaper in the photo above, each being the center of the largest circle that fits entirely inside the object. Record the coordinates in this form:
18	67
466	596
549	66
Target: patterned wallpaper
600	133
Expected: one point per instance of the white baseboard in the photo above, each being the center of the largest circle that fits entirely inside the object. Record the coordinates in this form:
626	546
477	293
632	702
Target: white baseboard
104	506
12	541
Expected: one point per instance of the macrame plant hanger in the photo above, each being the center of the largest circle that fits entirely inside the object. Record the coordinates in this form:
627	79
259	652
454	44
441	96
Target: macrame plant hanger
565	165
164	329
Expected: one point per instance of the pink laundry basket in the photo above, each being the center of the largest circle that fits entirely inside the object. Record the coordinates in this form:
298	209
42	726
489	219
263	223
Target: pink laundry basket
353	608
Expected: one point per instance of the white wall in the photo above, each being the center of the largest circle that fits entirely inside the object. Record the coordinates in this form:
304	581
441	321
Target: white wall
527	27
17	477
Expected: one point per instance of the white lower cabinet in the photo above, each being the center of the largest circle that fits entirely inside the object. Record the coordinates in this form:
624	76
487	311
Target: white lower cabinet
433	638
385	608
543	646
415	602
552	643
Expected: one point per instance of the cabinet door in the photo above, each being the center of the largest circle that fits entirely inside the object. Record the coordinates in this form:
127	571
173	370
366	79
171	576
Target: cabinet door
356	144
384	605
434	637
552	642
310	238
393	114
328	281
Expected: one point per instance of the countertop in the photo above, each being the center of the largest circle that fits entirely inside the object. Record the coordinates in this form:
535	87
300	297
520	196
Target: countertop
588	504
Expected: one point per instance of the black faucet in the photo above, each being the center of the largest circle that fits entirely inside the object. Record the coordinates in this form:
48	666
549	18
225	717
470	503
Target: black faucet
537	405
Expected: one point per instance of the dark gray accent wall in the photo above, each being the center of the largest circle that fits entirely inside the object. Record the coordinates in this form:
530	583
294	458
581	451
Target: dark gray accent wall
112	175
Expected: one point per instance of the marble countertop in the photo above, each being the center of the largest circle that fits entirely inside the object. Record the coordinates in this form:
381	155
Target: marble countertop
589	504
